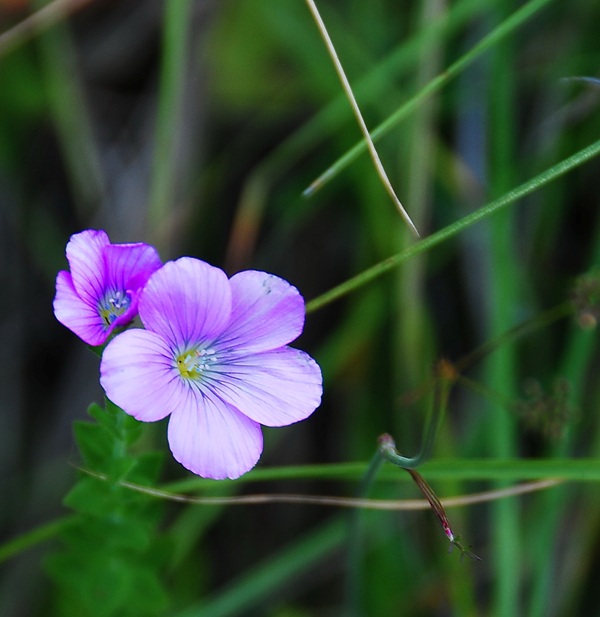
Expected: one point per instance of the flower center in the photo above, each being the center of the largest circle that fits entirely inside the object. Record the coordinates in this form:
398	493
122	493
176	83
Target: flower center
114	304
193	363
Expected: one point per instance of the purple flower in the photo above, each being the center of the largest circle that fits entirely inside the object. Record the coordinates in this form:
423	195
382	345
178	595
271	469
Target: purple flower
102	290
214	356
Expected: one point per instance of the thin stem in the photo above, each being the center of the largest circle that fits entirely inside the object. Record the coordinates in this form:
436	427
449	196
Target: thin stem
541	320
37	22
446	378
352	592
355	108
50	530
335	501
477	469
174	61
32	538
455	228
387	451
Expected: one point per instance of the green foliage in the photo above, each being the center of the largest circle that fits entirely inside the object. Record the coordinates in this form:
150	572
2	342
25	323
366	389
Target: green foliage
112	555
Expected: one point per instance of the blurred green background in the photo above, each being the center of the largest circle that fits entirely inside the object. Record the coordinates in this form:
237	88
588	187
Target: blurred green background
195	125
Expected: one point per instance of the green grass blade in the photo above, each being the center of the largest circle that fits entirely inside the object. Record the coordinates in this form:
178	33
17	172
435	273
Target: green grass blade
254	588
513	469
176	40
455	228
504	291
32	538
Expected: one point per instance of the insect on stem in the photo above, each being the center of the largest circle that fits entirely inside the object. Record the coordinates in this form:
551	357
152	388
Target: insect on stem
439	511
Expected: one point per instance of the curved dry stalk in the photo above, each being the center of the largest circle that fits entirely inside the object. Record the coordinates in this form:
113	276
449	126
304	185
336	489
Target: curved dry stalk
334	501
361	123
37	22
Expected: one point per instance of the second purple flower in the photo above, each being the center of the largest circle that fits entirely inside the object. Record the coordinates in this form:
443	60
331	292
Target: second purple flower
100	293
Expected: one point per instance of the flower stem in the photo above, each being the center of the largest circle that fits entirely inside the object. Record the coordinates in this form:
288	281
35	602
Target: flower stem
352	590
387	451
35	536
541	320
446	376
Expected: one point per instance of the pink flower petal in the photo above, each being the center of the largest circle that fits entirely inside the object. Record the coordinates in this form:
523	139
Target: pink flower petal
129	266
86	261
267	312
274	388
138	374
186	301
213	440
80	317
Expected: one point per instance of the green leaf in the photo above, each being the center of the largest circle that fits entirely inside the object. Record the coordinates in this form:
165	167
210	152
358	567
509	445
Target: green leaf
96	444
109	567
92	496
146	594
104	418
146	469
95	584
127	427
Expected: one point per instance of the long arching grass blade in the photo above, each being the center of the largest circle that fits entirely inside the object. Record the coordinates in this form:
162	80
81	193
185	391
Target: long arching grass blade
455	228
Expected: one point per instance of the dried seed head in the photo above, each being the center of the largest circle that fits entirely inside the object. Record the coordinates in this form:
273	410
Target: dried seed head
547	412
585	297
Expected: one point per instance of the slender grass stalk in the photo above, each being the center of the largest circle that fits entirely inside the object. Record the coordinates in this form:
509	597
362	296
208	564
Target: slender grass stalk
387	448
555	471
540	320
356	531
71	117
38	22
476	469
356	109
358	503
455	228
414	351
575	362
503	288
387	451
500	32
173	75
32	538
252	589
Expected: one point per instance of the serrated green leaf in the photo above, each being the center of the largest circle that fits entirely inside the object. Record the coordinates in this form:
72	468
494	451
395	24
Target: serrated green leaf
117	533
147	468
92	496
104	418
128	428
96	444
120	468
109	562
97	582
146	592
